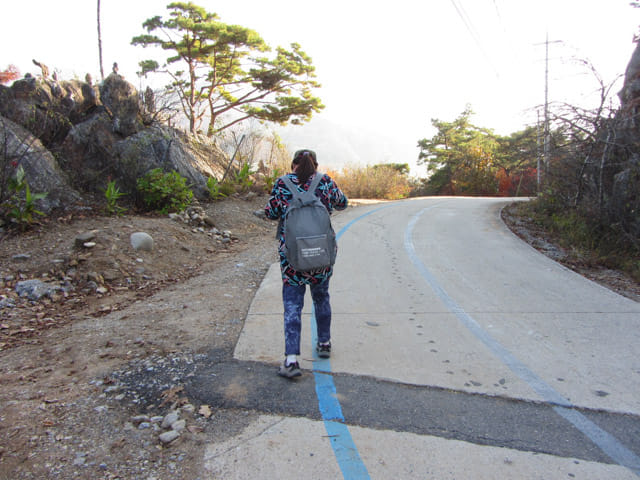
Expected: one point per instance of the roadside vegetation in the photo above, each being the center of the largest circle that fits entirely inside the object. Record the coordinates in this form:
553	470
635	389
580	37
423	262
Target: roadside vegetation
465	159
383	181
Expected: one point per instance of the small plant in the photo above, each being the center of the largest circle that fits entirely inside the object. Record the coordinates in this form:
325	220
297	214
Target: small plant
241	178
227	188
215	188
270	179
112	194
164	192
19	207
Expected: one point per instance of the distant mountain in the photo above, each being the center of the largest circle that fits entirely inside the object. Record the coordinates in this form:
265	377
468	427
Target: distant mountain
339	145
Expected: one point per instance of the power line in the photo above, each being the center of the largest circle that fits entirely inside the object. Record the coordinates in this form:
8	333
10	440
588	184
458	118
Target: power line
495	4
473	32
468	21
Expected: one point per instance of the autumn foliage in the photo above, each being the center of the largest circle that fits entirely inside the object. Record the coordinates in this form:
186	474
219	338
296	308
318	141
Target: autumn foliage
9	75
379	181
465	159
516	184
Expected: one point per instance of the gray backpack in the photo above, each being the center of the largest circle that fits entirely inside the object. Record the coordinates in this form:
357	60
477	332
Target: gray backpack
310	242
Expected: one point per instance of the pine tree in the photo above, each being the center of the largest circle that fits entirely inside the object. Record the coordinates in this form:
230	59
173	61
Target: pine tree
225	71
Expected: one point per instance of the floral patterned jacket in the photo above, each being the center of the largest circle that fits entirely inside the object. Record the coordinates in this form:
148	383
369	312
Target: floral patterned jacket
332	198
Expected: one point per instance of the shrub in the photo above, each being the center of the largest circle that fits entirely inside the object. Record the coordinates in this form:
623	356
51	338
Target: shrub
112	193
380	182
585	233
270	179
164	192
215	188
20	205
242	178
227	188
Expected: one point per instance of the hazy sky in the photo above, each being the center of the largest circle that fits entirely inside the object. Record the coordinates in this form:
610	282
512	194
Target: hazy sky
389	66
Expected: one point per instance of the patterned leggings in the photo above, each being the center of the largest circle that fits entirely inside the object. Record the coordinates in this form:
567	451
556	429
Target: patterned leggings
293	300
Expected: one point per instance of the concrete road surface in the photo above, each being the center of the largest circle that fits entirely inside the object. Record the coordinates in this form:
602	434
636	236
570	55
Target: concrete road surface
458	352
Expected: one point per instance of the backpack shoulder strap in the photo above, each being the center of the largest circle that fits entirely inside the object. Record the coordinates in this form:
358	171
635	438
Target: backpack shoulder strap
291	186
294	189
315	182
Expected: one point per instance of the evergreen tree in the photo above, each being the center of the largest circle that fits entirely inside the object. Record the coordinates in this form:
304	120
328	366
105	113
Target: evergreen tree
460	157
224	70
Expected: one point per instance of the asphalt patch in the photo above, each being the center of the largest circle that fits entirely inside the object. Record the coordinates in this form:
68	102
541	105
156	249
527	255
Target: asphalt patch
223	383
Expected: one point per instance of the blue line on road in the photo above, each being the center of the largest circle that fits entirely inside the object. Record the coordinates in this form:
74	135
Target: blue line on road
605	441
344	448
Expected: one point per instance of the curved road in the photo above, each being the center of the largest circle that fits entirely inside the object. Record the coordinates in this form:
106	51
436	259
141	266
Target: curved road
459	352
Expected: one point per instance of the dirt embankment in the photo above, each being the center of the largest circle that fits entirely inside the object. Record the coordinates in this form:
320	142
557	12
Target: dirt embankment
61	413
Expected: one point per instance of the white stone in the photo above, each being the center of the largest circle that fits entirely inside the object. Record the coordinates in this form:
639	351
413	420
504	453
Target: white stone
169	436
141	241
179	425
170	419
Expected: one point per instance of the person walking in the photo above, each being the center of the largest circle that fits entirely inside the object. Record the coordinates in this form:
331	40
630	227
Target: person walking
304	169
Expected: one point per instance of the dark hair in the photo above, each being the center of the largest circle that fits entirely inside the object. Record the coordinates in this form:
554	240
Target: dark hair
306	164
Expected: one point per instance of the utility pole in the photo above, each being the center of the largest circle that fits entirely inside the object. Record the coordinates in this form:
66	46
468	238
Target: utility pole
538	156
546	150
547	140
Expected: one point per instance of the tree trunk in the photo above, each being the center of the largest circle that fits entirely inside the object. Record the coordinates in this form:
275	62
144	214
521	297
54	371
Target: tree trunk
603	163
100	44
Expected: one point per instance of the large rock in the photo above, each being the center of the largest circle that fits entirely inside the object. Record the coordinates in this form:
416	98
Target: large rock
627	117
98	136
88	151
165	148
47	108
623	201
631	87
42	172
94	152
122	100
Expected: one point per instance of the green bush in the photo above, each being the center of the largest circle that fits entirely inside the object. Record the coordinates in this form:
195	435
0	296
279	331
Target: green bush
164	192
112	193
215	188
227	188
219	190
19	207
242	178
270	179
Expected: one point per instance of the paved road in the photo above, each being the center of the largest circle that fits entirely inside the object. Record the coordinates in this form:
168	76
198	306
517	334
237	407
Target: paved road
459	352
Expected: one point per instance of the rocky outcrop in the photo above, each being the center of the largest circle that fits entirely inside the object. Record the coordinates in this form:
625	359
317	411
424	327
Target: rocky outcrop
76	136
41	169
46	107
630	93
166	148
624	202
121	99
88	150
